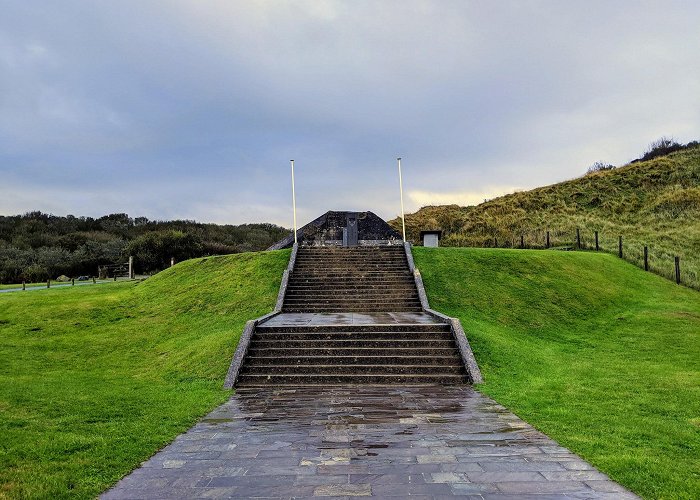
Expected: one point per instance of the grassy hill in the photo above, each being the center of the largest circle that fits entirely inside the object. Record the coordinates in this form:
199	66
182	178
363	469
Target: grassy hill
654	203
95	379
598	354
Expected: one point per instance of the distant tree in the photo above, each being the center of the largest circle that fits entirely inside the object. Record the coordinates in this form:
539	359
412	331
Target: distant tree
152	251
35	272
36	245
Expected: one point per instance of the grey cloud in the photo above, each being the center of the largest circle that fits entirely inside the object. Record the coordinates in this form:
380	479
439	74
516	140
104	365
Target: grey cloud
193	109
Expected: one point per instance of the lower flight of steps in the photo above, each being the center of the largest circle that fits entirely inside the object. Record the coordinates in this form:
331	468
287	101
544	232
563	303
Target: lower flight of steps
352	354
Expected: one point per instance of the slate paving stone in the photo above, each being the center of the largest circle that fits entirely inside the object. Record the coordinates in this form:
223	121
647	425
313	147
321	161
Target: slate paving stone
346	441
334	490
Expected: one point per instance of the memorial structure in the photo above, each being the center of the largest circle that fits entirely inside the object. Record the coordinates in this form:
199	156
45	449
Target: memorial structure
340	228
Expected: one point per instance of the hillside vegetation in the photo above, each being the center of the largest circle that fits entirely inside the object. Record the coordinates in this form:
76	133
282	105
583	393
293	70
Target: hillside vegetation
95	379
598	354
37	246
654	203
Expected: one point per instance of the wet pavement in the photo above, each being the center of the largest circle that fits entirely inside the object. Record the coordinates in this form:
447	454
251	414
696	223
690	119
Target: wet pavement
427	442
348	318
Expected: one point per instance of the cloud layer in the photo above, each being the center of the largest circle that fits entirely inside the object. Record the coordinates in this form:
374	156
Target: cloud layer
192	109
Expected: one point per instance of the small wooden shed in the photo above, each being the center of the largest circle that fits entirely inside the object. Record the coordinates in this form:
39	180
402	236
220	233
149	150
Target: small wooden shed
431	238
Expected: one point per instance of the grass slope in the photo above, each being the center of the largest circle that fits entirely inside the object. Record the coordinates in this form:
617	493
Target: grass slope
654	203
95	379
600	355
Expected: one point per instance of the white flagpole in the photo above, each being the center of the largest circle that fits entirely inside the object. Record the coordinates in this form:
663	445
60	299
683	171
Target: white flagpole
294	204
403	220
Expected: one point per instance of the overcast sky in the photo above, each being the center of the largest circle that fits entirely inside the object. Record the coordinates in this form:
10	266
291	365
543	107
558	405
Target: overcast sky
193	109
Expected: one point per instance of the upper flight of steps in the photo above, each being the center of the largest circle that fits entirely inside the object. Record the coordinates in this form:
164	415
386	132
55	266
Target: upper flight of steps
354	279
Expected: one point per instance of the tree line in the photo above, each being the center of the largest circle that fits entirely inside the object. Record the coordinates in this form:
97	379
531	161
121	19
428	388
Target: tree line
37	246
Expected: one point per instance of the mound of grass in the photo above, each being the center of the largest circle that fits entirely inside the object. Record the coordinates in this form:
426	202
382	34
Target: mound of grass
654	203
95	379
598	354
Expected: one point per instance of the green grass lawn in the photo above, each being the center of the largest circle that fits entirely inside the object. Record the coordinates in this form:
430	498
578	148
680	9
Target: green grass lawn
95	379
598	354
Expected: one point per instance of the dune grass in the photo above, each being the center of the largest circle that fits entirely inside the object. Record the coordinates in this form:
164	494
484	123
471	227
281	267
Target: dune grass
653	203
95	379
598	354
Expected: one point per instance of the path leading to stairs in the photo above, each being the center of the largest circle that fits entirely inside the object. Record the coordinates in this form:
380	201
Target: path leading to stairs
337	442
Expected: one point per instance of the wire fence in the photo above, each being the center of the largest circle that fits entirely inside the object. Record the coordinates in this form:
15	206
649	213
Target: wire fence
656	258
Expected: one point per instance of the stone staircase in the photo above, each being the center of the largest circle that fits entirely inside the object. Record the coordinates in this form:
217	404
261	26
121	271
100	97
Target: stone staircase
366	282
355	279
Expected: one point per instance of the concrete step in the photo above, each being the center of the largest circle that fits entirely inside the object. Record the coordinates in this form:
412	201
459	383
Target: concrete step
354	273
366	307
349	378
312	299
351	351
363	284
354	283
357	369
352	250
351	258
383	289
350	290
338	335
318	343
386	300
348	294
370	328
350	271
356	360
366	285
359	309
358	261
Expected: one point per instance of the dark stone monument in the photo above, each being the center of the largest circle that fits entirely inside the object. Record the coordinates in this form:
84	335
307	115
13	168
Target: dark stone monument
351	227
340	228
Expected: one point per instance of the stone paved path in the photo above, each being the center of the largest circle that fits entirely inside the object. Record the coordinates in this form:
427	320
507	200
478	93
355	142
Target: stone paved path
427	442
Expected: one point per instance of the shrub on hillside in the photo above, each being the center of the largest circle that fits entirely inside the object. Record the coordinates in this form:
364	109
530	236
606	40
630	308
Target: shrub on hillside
665	146
600	166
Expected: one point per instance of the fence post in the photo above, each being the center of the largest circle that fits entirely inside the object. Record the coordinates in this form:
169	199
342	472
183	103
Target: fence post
131	267
522	241
678	269
48	283
578	238
24	285
619	251
547	239
72	281
172	261
115	276
596	242
646	258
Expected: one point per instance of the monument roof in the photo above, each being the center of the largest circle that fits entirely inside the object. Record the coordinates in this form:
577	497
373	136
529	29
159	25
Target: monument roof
328	229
